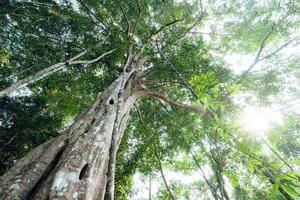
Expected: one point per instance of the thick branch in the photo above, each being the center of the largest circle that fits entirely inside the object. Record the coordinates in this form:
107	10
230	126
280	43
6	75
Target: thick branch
187	85
87	62
151	37
48	71
159	96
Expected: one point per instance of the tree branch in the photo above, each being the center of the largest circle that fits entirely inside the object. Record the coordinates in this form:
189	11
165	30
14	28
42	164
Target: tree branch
257	59
194	24
165	26
137	18
211	188
95	16
127	20
90	61
262	46
162	172
277	154
187	85
150	38
159	96
48	71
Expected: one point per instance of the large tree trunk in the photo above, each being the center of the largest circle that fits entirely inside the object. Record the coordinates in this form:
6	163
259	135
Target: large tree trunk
80	163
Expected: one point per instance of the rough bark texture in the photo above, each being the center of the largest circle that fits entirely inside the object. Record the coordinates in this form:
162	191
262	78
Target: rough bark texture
80	163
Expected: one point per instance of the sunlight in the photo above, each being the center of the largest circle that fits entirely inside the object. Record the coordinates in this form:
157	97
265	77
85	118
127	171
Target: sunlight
259	120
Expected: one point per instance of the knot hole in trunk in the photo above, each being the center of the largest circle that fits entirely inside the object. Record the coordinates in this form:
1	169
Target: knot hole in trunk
111	101
83	171
128	69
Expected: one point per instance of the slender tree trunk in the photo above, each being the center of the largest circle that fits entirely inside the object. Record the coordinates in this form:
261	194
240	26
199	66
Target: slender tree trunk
221	184
150	187
80	163
162	174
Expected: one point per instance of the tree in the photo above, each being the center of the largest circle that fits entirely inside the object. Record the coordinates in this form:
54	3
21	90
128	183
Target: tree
131	51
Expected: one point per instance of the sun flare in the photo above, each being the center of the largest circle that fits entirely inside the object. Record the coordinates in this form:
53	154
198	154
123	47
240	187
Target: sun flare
259	120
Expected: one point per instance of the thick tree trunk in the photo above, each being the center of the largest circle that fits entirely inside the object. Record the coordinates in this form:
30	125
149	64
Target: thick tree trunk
78	164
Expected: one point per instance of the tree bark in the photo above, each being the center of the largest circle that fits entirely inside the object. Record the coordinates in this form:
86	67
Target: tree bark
48	71
80	163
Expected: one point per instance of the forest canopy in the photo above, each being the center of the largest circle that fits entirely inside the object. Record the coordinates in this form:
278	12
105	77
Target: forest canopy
192	99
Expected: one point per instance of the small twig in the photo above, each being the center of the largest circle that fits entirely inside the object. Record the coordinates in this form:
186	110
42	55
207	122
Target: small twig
273	150
95	16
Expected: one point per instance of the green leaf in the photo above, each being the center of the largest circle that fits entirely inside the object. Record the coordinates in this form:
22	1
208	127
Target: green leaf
277	165
289	190
275	186
242	147
284	177
234	181
293	173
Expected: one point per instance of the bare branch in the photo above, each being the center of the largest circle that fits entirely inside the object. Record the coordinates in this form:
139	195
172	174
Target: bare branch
165	26
277	154
156	95
285	107
151	37
258	59
48	71
137	18
90	61
94	15
280	48
262	46
203	12
176	72
211	188
127	21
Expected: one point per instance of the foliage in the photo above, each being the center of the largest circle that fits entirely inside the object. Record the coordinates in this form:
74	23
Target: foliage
188	68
